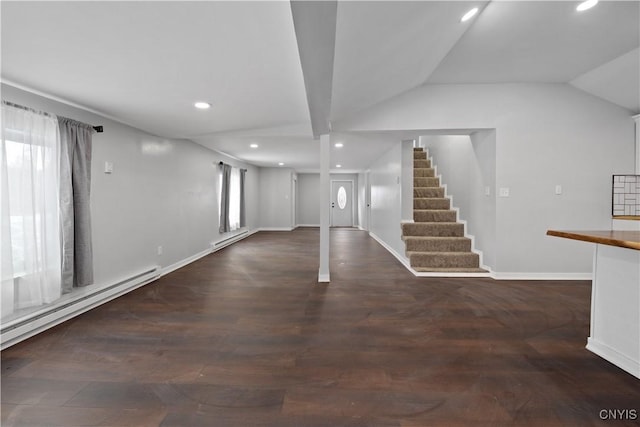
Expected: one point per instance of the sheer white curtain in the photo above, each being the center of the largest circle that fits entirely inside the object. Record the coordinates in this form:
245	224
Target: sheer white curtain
29	193
234	199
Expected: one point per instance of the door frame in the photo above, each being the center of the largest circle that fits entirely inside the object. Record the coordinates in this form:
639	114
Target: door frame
353	204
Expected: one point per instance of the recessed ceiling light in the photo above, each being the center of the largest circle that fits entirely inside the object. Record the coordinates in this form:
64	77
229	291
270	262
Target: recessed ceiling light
586	5
202	105
280	164
469	14
339	145
253	145
338	166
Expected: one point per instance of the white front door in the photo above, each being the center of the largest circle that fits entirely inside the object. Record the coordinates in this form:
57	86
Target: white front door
341	204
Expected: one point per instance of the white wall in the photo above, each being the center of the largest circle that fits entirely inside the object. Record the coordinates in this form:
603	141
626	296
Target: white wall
482	214
406	179
308	193
452	156
162	192
386	200
546	134
276	198
362	201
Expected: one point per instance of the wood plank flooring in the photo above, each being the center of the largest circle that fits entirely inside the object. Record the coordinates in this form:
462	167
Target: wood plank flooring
246	337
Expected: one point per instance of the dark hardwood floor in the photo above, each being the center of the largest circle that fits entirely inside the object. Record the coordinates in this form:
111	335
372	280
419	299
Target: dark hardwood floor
246	337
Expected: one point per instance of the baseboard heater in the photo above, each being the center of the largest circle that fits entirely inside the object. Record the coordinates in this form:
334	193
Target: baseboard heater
68	307
229	240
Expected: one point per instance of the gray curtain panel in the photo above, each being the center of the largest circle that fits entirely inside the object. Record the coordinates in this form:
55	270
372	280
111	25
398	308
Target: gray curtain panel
225	225
75	215
243	216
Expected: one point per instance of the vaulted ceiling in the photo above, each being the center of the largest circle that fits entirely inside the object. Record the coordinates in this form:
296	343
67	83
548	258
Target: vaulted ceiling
272	74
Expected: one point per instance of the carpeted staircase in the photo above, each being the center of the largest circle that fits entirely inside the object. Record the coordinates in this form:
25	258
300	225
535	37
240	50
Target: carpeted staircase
435	242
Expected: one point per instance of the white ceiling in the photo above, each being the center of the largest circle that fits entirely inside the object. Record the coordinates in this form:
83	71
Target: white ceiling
385	48
148	62
145	63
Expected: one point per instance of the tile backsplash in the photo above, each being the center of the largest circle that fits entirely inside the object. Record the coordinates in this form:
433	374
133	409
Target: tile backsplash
626	195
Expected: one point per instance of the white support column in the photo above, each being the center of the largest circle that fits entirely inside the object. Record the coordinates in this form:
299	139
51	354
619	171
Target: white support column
325	210
637	119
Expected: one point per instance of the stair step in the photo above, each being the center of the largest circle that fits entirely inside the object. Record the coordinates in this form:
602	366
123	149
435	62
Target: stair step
426	182
435	192
455	260
437	244
419	155
423	172
433	229
431	203
418	149
421	164
434	215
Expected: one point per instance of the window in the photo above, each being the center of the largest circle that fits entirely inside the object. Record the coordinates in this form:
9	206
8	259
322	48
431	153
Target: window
29	192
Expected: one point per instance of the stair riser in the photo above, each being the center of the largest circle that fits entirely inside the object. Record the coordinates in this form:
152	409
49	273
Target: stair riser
428	192
424	172
433	229
426	182
438	245
437	203
419	155
463	260
421	164
434	216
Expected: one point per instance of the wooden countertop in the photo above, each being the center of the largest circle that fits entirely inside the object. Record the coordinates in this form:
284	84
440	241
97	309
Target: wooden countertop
621	238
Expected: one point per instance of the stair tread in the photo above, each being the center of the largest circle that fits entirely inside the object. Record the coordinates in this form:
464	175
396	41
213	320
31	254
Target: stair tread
409	253
435	238
440	223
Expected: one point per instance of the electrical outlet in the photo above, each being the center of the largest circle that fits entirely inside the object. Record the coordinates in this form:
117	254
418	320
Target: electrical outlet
159	250
504	191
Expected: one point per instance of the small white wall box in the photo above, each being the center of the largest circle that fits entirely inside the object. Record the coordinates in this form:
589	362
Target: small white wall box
108	167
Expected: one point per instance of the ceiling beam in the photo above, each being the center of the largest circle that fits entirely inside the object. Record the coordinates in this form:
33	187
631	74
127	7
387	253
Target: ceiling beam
315	27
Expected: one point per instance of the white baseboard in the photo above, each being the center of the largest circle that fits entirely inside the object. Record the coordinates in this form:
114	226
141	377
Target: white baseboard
276	228
402	259
324	278
173	267
309	225
540	276
447	274
70	306
85	299
611	355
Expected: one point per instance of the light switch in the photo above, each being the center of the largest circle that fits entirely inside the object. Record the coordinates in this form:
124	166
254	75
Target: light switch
504	191
487	191
108	167
558	189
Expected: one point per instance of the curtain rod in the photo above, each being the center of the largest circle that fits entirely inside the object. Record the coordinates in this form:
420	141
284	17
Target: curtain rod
98	129
222	163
